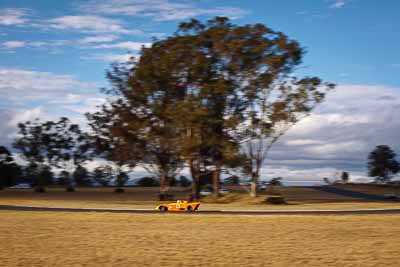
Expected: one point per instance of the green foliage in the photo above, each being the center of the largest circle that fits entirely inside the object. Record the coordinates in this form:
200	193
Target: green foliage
81	176
31	175
276	181
38	176
345	177
382	163
232	180
196	96
10	171
59	144
183	181
121	179
64	178
103	175
46	175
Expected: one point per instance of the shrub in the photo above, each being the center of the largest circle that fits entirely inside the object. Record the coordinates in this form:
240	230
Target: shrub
119	190
40	190
276	181
183	181
275	200
70	189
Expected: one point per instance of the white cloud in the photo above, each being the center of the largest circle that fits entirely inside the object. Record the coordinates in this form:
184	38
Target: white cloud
98	39
339	3
321	150
25	115
125	45
293	175
302	142
26	88
12	16
28	94
23	81
53	43
342	131
111	57
13	44
90	23
160	10
10	119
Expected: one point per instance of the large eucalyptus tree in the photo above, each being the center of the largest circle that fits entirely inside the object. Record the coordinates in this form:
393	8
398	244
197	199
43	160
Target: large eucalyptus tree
204	94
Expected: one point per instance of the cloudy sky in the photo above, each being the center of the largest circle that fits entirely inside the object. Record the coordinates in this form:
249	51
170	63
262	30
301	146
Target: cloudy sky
53	56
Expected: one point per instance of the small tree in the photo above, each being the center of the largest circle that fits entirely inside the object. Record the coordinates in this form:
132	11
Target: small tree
47	175
103	175
33	144
136	126
272	184
345	177
112	147
63	178
9	169
67	147
81	176
382	163
277	181
120	180
31	175
277	104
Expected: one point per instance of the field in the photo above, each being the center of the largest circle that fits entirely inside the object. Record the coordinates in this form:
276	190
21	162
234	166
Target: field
83	239
298	198
106	239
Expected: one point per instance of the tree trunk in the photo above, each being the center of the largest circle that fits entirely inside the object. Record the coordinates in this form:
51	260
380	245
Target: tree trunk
253	184
216	184
195	187
195	181
163	184
255	175
216	177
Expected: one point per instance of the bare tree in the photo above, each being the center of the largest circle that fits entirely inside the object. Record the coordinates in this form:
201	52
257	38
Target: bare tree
275	109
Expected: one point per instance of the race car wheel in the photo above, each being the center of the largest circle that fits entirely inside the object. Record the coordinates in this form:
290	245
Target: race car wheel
163	209
189	209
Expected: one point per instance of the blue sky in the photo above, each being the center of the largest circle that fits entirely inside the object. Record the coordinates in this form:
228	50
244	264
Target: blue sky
352	41
53	56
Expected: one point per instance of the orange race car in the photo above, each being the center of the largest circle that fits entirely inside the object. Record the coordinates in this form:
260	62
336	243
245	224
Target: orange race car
179	205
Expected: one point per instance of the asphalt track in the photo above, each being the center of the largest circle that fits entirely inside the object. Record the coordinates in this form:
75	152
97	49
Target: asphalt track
208	212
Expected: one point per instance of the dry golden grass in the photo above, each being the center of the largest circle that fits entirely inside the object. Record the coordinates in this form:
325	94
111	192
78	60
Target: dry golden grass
145	198
104	239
